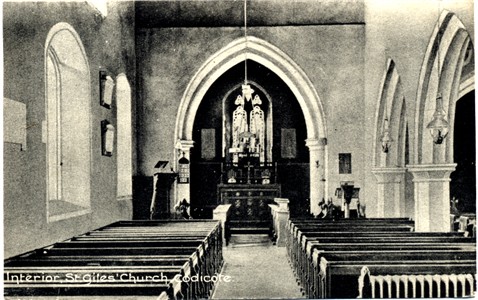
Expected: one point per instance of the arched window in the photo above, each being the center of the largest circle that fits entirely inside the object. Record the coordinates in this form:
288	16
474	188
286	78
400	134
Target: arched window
68	133
124	144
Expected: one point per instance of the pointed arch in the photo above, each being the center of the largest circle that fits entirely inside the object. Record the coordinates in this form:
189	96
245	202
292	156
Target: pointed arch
448	46
389	166
266	54
391	106
289	72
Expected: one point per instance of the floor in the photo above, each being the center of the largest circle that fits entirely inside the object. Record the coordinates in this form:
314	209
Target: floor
256	271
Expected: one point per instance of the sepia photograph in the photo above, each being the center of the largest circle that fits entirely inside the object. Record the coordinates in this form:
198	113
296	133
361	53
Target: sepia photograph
238	149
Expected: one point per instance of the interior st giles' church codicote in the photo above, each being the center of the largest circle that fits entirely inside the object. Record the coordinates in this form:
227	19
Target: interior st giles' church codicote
239	149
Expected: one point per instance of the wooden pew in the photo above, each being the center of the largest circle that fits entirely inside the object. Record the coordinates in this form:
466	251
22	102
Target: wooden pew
70	281
381	226
398	255
139	249
307	268
306	259
294	243
309	239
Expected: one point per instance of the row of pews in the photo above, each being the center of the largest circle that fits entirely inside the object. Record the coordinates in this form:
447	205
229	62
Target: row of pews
161	259
379	258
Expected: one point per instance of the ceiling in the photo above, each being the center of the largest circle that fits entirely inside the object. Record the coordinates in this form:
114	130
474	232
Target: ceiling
215	13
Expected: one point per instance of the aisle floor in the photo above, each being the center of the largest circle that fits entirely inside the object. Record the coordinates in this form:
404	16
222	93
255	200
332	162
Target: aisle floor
256	272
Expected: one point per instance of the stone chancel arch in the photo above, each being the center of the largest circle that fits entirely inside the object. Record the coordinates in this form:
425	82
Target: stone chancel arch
274	59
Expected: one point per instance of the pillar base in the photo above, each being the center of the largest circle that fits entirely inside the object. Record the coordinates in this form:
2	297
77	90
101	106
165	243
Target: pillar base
390	192
432	196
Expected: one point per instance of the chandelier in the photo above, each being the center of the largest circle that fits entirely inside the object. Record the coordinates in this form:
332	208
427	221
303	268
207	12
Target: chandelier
386	139
438	126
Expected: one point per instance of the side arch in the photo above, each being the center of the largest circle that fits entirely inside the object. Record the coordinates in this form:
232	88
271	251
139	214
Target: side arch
391	107
446	70
389	162
449	43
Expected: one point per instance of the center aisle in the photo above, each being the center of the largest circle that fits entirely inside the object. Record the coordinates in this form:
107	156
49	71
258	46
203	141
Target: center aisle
256	272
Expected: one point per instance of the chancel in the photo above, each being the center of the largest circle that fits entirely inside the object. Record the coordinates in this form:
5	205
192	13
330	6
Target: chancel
188	149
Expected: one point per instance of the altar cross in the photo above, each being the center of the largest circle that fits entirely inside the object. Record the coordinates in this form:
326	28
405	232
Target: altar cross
249	167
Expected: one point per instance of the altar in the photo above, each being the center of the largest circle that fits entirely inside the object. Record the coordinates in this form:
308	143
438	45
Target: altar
248	201
248	176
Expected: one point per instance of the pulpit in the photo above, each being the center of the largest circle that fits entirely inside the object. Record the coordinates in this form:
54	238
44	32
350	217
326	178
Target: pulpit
349	197
162	180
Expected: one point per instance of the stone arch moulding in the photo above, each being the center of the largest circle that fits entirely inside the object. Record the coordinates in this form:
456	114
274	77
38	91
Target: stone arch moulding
454	40
293	76
389	168
390	98
432	163
266	54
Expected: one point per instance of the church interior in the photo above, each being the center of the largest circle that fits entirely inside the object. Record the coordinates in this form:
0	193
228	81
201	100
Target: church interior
291	149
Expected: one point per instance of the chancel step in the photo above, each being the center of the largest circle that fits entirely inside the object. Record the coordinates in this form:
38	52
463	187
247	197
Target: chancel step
253	239
250	230
250	223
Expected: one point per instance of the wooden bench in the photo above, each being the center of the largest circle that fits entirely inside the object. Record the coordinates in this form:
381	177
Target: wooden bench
295	240
307	266
325	253
138	258
317	284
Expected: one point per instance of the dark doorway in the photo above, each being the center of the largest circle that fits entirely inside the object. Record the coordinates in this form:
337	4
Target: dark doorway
288	131
463	180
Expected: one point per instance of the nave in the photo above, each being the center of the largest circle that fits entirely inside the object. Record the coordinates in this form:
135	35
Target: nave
143	110
330	258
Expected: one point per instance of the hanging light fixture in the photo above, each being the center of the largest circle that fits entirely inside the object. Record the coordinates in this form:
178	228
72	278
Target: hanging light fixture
247	91
386	139
438	126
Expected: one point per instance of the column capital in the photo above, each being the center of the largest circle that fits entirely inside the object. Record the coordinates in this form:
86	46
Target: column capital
283	203
184	145
316	143
431	172
389	175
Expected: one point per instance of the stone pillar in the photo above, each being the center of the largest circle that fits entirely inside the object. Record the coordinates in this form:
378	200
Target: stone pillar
317	172
183	189
390	192
432	196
